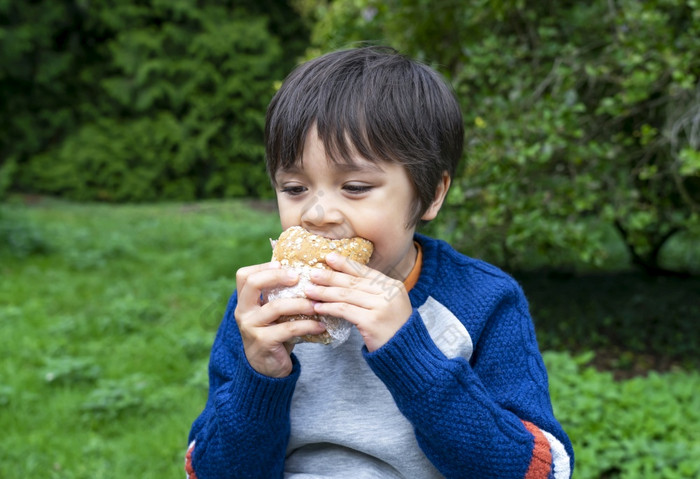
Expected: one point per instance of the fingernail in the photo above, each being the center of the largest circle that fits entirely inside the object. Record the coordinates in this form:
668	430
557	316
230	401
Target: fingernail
332	256
291	274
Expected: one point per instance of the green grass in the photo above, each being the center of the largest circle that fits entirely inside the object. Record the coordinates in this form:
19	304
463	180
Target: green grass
107	314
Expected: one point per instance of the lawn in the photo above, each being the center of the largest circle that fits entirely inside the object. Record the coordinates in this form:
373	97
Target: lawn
107	314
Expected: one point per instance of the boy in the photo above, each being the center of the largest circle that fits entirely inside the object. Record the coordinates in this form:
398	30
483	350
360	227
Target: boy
441	376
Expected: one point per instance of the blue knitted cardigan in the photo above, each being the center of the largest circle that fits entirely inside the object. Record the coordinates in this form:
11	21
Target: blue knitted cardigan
486	416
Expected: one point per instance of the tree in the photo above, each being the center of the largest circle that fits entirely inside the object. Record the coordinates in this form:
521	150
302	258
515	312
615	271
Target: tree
577	115
141	100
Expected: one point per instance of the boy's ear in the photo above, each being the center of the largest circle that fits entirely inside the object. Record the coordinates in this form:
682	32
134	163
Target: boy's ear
440	194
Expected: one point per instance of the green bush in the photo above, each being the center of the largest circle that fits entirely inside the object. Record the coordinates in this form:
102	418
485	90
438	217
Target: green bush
138	101
7	172
578	115
639	428
195	90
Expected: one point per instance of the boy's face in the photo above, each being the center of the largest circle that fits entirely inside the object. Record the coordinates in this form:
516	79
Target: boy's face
371	200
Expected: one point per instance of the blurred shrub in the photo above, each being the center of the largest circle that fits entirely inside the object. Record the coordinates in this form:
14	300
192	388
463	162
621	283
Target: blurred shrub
7	171
20	237
137	101
577	115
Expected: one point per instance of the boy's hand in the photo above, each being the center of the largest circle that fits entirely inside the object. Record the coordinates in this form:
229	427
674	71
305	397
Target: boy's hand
263	340
375	303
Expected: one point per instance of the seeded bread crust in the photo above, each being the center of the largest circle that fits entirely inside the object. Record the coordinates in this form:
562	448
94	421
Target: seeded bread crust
297	247
300	250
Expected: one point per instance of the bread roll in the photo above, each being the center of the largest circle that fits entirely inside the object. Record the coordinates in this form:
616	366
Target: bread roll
301	251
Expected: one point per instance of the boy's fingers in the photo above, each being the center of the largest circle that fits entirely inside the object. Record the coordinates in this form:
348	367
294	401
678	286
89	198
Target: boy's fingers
340	294
326	277
302	327
352	275
345	265
267	348
254	268
244	273
270	278
350	312
272	311
249	292
272	335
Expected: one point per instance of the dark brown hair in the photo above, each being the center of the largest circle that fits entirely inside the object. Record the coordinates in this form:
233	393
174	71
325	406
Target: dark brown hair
372	102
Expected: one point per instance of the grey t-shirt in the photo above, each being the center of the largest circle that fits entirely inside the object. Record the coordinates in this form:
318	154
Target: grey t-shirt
345	422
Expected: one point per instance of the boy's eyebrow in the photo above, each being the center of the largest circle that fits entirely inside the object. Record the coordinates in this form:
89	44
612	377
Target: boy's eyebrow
289	169
343	167
355	166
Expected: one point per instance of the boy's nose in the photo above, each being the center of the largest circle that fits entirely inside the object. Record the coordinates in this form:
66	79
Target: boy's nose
320	212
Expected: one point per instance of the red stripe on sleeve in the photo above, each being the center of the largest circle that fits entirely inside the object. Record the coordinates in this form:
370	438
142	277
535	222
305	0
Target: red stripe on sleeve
541	462
188	462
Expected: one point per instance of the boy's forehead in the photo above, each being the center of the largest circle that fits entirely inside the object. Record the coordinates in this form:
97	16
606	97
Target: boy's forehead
340	155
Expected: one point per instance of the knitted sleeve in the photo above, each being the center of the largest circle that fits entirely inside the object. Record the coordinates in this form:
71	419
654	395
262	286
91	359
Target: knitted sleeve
244	428
487	417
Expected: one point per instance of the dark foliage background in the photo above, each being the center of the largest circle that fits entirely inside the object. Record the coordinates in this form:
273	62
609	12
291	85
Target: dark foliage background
580	116
583	120
140	100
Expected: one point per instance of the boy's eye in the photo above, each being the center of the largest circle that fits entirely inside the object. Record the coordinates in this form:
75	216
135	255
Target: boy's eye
293	190
357	188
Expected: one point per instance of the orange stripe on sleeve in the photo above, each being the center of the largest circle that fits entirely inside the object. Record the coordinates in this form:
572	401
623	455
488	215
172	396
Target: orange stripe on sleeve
541	462
188	462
